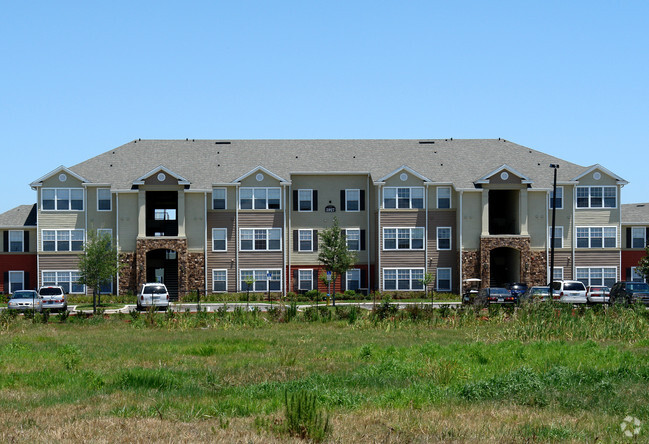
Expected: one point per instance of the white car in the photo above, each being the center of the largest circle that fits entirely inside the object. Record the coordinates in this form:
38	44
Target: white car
53	298
153	295
569	292
25	300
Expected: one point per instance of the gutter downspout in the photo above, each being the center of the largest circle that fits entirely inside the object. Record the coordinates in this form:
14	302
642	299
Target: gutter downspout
574	232
368	237
547	237
117	236
426	233
460	241
236	238
287	255
205	234
378	246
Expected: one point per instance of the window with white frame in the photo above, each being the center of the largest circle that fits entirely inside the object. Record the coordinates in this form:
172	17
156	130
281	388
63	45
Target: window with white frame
305	280
443	238
559	198
16	241
443	197
219	199
353	238
558	237
219	281
260	239
444	279
305	240
638	239
261	280
219	239
260	198
352	200
596	237
164	214
597	275
66	279
305	200
558	274
403	197
62	240
16	281
106	287
403	238
596	197
104	200
62	199
636	276
353	279
403	279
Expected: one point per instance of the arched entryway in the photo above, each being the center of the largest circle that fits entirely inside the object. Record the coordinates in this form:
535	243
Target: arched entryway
505	266
162	266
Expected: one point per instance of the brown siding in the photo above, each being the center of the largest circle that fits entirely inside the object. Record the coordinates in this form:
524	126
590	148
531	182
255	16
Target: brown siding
261	219
403	218
597	258
563	259
443	258
402	259
222	260
57	262
261	259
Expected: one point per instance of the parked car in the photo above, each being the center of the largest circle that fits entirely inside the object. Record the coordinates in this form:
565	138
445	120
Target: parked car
569	292
25	300
536	294
516	288
471	290
495	295
53	298
597	294
153	295
629	293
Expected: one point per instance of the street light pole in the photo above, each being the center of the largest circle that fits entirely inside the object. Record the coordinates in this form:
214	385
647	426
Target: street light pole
555	166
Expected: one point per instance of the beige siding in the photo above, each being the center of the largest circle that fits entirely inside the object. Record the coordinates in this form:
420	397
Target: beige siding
605	180
563	217
432	197
128	221
54	182
222	260
537	218
412	181
99	219
402	219
471	220
230	198
268	181
597	217
195	221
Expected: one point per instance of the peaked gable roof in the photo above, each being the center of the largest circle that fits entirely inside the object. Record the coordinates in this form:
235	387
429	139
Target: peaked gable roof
19	217
504	168
61	169
602	169
161	169
404	168
262	169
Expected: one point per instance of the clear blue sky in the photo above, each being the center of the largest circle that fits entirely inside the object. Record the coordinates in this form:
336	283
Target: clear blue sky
570	78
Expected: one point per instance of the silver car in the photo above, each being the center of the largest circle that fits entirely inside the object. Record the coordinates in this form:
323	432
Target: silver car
53	298
25	300
153	295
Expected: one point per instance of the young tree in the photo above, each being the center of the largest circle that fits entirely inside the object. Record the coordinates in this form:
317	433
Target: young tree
334	254
98	263
643	265
428	279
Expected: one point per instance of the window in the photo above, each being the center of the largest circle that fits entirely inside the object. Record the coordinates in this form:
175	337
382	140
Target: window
164	214
219	236
596	197
403	238
62	199
353	279
305	280
635	276
353	237
597	275
261	280
352	200
101	232
261	239
403	197
443	279
558	274
259	198
443	197
305	242
443	238
219	281
219	199
305	200
596	237
16	281
637	237
62	240
559	198
403	278
558	237
66	279
16	241
104	200
106	287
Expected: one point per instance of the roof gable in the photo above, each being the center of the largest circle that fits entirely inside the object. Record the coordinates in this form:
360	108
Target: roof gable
61	169
598	168
161	174
260	169
504	170
405	169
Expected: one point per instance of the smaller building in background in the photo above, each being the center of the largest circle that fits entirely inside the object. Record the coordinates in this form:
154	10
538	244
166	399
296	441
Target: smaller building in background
18	249
635	238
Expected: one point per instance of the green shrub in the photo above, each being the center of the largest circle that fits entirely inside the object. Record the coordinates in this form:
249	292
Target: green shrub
385	310
303	418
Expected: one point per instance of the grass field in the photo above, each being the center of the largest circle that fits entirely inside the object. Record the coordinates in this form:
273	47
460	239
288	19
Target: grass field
537	375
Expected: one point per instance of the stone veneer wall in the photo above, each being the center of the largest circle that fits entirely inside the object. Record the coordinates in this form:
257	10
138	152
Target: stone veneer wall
520	243
538	268
179	245
127	274
196	271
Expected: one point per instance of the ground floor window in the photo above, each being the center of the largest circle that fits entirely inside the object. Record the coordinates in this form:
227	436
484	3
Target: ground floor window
66	279
635	276
16	281
305	280
597	275
353	279
219	281
443	279
261	280
403	279
106	287
558	274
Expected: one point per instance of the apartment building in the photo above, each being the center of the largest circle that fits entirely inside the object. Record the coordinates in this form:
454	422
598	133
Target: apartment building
214	214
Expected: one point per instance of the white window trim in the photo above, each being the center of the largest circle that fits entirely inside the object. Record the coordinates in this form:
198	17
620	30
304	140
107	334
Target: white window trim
559	207
450	238
253	198
268	230
347	279
300	200
347	230
557	268
347	199
299	240
22	279
590	207
559	238
635	273
57	281
450	198
56	240
643	230
83	199
265	270
410	207
577	269
110	200
22	241
226	239
450	279
226	198
590	237
214	290
299	279
410	238
396	269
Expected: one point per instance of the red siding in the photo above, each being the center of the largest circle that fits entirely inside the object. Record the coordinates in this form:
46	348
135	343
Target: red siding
630	258
18	262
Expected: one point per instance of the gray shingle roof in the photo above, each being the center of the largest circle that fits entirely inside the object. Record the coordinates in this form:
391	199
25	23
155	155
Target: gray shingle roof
21	216
636	213
204	162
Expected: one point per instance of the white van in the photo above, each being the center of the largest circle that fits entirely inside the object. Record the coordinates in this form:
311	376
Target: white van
569	292
153	295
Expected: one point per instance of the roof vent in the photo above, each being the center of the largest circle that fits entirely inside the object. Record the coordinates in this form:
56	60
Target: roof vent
222	143
423	142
